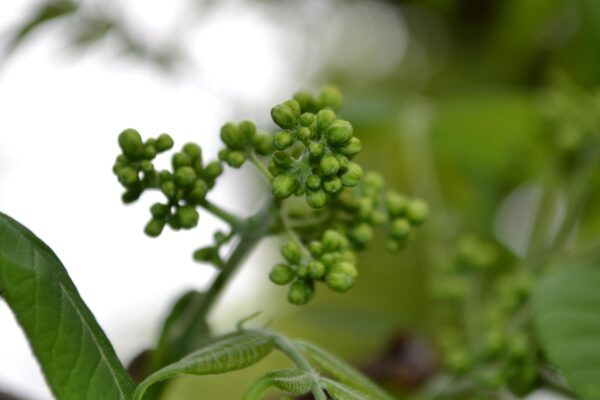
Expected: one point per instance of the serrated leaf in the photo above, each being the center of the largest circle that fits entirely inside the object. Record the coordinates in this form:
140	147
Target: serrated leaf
77	359
342	371
339	391
292	381
567	319
236	351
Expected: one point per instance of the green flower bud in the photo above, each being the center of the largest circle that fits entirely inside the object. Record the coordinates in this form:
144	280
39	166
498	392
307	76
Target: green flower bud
327	259
316	248
304	134
339	132
164	176
377	217
247	128
333	240
302	271
365	208
283	140
300	292
316	199
374	180
180	160
291	252
262	143
332	185
232	137
295	106
187	216
193	151
307	119
324	119
185	177
223	154
284	116
127	176
131	195
154	227
352	148
306	101
339	281
235	159
164	142
329	165
206	254
345	267
331	98
213	170
417	211
400	228
393	246
353	175
316	270
362	233
313	182
159	210
347	256
146	166
282	159
282	274
316	149
284	185
198	192
131	144
149	152
396	204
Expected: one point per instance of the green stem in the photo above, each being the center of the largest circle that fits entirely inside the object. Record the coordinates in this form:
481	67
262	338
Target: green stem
260	166
217	211
290	350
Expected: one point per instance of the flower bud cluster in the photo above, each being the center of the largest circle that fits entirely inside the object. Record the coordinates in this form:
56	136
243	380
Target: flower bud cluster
329	260
314	149
184	186
239	140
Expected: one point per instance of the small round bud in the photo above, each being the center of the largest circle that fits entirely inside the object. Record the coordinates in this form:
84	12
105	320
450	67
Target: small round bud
235	159
262	143
313	182
159	210
353	175
324	119
165	176
146	166
295	106
331	97
187	216
180	160
304	134
206	254
302	271
247	128
300	292
339	132
362	233
131	144
327	259
127	176
154	227
223	154
316	199
400	228
374	180
352	148
329	165
345	267
365	208
291	252
164	142
306	101
213	170
198	192
232	137
193	151
333	240
283	159
316	269
394	245
316	248
185	177
149	152
283	140
284	185
284	116
316	149
332	185
396	204
377	217
417	211
131	195
307	119
282	274
339	281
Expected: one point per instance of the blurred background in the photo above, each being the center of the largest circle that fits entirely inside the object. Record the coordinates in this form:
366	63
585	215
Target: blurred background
446	95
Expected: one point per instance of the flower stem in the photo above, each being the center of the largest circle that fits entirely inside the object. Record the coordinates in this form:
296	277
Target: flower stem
260	166
217	211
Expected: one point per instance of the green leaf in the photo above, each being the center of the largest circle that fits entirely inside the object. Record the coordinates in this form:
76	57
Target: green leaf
77	359
293	381
339	391
236	351
566	313
342	371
